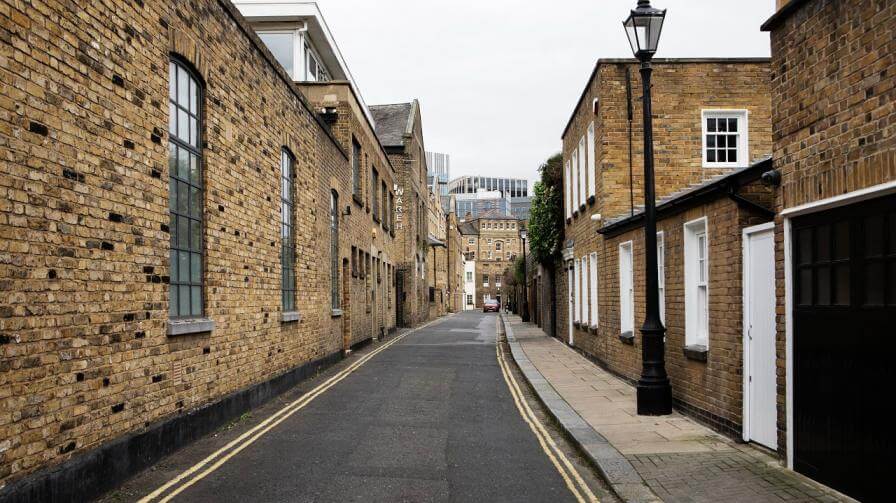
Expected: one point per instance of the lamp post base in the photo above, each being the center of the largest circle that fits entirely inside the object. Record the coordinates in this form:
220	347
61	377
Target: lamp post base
654	398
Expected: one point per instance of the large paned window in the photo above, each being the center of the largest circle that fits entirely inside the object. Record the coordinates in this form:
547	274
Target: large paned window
592	174
626	289
335	301
374	189
583	172
725	138
661	272
287	236
696	279
593	284
356	168
577	277
185	192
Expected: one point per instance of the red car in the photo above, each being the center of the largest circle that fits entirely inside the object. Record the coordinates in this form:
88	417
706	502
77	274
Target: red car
491	305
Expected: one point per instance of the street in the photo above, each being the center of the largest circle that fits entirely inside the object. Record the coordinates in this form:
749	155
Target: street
428	418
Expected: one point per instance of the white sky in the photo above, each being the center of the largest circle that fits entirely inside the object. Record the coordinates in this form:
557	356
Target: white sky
498	79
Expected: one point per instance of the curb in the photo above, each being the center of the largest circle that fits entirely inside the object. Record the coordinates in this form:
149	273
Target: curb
617	471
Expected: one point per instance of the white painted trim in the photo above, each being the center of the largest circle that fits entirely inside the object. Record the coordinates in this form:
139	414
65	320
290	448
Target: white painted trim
743	148
688	246
623	296
745	342
842	200
788	344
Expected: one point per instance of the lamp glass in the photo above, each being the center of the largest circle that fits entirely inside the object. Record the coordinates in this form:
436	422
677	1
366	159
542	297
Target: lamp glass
643	28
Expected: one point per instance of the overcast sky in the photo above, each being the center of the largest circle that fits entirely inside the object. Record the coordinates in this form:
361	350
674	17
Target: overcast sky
498	79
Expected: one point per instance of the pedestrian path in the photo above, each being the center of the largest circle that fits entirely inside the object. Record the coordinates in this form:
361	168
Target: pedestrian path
678	458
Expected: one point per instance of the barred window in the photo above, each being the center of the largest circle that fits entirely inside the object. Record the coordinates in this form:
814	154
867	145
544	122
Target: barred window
334	250
184	192
287	250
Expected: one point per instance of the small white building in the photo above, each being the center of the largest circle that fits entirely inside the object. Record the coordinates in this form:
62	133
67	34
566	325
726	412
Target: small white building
469	285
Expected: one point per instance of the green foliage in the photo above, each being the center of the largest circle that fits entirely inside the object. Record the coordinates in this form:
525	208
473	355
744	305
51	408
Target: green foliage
519	271
546	214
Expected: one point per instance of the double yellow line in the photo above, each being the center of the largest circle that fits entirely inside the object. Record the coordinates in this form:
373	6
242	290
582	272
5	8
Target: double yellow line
214	461
570	475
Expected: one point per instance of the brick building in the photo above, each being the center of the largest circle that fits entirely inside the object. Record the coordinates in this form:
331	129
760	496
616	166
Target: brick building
455	269
437	255
834	67
180	228
712	117
493	242
400	130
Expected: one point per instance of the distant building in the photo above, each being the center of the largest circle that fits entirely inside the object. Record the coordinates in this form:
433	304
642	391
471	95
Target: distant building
515	189
470	206
438	172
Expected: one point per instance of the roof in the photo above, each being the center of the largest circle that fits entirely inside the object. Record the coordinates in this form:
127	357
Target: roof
467	228
393	122
655	61
434	241
689	197
782	14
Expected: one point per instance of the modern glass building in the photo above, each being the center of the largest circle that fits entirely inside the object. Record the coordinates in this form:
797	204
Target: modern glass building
511	187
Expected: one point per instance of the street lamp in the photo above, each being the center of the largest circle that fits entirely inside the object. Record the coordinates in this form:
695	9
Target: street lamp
643	28
525	313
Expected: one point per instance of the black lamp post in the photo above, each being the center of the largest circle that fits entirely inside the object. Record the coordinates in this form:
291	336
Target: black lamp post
643	28
525	314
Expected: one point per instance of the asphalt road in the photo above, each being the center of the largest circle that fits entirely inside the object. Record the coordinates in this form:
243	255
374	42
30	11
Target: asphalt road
430	418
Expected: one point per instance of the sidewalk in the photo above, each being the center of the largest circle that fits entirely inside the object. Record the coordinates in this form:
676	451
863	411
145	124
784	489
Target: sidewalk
677	458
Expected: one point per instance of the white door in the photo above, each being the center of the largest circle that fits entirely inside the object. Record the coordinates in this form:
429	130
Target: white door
571	302
760	387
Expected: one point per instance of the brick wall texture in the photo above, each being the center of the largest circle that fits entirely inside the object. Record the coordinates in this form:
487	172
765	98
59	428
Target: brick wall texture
84	355
834	114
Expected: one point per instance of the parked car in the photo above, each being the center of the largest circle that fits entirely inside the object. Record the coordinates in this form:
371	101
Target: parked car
491	305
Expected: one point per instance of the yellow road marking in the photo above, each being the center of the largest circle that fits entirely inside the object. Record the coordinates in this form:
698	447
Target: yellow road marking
544	439
263	427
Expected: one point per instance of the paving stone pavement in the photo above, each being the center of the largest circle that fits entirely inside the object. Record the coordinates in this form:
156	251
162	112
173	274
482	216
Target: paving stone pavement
679	459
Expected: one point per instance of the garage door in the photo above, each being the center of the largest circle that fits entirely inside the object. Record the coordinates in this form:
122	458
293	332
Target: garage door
844	343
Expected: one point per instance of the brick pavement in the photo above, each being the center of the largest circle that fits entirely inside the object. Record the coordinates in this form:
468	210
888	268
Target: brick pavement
679	459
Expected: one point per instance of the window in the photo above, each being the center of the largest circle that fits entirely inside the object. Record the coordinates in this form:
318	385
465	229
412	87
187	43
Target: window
374	195
626	289
583	171
469	300
575	180
592	174
498	245
498	280
287	248
334	250
282	46
470	276
471	241
725	138
592	282
696	276
568	192
315	70
384	204
356	168
585	306
661	273
577	291
185	192
485	280
392	211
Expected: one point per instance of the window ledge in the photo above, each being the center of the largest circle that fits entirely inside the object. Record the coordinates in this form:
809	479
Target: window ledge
376	218
357	199
288	316
591	199
627	338
568	220
335	313
582	208
696	352
190	326
575	213
593	329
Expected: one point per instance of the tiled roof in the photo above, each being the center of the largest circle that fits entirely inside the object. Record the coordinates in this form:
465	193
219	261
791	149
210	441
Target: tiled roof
467	228
392	122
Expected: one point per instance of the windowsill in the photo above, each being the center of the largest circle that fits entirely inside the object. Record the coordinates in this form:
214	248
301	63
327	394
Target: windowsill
336	313
582	209
568	220
627	338
367	209
190	326
577	324
735	165
575	213
696	352
593	329
358	200
376	218
290	316
591	199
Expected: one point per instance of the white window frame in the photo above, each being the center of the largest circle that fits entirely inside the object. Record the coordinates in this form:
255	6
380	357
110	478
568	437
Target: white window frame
578	290
743	143
661	272
575	180
593	315
696	282
592	173
584	305
298	47
583	171
469	276
626	288
568	188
